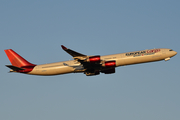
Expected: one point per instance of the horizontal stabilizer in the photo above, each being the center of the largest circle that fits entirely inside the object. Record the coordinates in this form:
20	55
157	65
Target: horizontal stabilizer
14	68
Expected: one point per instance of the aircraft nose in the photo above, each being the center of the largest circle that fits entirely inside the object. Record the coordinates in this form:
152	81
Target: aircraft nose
175	53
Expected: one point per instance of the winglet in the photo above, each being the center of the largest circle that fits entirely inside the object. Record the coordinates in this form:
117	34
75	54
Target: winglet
63	47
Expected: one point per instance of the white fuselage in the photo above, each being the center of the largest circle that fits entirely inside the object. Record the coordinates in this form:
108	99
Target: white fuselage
121	59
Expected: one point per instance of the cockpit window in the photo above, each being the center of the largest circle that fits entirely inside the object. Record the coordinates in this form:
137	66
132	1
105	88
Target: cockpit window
171	50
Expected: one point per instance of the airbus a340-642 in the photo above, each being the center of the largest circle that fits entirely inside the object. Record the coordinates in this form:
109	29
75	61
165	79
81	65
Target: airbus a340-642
89	65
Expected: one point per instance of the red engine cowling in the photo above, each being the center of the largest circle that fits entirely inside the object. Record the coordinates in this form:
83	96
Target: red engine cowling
109	64
94	59
109	71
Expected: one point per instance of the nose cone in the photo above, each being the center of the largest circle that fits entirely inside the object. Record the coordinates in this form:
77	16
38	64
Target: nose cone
174	53
171	53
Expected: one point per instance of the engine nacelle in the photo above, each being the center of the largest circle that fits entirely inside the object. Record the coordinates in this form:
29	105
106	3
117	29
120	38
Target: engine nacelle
94	59
109	64
109	71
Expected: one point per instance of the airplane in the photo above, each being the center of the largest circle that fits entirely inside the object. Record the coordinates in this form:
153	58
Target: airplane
89	65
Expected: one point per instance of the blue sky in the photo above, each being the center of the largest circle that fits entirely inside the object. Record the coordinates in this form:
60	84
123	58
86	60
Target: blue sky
36	29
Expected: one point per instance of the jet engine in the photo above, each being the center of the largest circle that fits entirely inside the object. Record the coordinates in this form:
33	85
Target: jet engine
94	59
109	64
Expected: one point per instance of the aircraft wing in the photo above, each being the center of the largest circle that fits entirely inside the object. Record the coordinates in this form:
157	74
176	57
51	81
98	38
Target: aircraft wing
83	59
91	65
73	53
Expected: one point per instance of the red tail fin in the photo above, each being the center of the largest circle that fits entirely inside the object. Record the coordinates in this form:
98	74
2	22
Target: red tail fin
17	60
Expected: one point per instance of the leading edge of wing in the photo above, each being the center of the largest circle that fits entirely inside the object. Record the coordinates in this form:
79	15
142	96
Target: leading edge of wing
72	53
